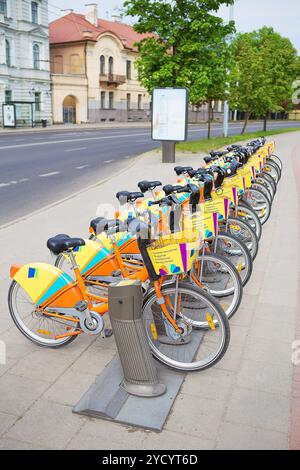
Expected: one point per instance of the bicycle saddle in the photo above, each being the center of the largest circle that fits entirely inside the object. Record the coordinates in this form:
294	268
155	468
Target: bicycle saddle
101	224
61	243
146	186
126	196
169	189
180	170
209	159
217	153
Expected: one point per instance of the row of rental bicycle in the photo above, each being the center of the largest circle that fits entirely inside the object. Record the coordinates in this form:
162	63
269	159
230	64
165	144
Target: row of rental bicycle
190	245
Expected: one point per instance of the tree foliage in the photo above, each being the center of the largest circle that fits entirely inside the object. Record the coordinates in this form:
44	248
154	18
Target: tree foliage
186	45
265	67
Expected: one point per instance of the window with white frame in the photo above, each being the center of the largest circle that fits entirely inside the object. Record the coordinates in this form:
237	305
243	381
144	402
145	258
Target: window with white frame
3	7
34	12
36	56
7	53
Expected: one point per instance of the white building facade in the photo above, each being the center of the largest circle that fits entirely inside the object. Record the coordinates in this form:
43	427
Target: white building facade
24	59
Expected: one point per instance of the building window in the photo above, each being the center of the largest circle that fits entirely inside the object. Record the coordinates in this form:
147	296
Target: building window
102	65
111	100
36	56
58	64
102	101
128	69
34	12
128	98
37	101
8	96
7	53
75	63
3	7
111	66
140	97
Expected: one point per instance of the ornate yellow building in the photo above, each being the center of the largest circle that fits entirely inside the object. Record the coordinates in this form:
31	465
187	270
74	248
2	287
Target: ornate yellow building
92	69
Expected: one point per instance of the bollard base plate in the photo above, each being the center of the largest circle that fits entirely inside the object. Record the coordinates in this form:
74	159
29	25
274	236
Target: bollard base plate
146	391
107	398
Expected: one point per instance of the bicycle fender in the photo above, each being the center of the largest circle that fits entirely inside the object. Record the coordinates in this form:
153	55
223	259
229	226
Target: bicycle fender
42	281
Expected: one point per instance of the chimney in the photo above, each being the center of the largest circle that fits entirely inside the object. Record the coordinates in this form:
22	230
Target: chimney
66	11
92	13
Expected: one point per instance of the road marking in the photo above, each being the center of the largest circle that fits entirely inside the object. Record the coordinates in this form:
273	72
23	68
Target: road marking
50	174
83	139
108	161
81	167
23	180
76	150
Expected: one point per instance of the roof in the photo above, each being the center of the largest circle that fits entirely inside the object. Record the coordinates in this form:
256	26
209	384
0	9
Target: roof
72	28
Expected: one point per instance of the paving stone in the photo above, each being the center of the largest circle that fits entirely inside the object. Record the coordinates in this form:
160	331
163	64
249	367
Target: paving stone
279	296
200	417
128	437
253	408
238	335
274	378
212	383
275	331
268	351
168	440
13	444
240	437
232	359
276	313
6	421
69	388
243	317
19	393
93	360
48	424
42	364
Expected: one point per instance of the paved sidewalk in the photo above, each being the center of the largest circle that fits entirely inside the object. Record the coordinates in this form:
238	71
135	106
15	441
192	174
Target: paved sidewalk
245	402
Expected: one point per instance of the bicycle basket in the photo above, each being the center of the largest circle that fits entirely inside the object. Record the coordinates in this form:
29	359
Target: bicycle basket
173	255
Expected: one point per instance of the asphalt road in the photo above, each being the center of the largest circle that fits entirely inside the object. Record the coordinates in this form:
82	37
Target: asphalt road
39	168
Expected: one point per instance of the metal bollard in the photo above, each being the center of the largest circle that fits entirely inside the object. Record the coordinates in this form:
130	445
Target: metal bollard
125	311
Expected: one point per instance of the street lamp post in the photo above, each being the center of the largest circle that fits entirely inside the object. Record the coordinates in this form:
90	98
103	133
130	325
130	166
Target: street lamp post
226	103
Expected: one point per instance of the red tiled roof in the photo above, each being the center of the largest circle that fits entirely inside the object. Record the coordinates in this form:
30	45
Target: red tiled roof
71	28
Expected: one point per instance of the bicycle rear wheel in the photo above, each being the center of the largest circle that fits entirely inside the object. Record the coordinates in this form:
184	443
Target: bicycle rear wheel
35	325
205	328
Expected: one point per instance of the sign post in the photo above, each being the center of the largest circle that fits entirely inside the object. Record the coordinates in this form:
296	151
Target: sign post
9	115
169	119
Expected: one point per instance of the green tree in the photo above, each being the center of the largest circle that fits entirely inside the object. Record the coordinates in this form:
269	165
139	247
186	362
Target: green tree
184	38
264	71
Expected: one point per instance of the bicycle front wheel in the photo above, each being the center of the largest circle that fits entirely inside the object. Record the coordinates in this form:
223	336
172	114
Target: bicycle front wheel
205	328
218	276
237	252
242	230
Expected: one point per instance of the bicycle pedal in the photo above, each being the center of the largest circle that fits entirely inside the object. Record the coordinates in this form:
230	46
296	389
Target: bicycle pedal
108	332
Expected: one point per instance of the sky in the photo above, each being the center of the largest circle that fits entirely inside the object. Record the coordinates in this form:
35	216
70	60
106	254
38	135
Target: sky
283	15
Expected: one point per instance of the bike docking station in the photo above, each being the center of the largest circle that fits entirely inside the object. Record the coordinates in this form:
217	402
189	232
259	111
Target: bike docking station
133	388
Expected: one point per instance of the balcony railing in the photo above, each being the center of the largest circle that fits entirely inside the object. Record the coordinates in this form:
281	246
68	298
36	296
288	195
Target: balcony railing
112	79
